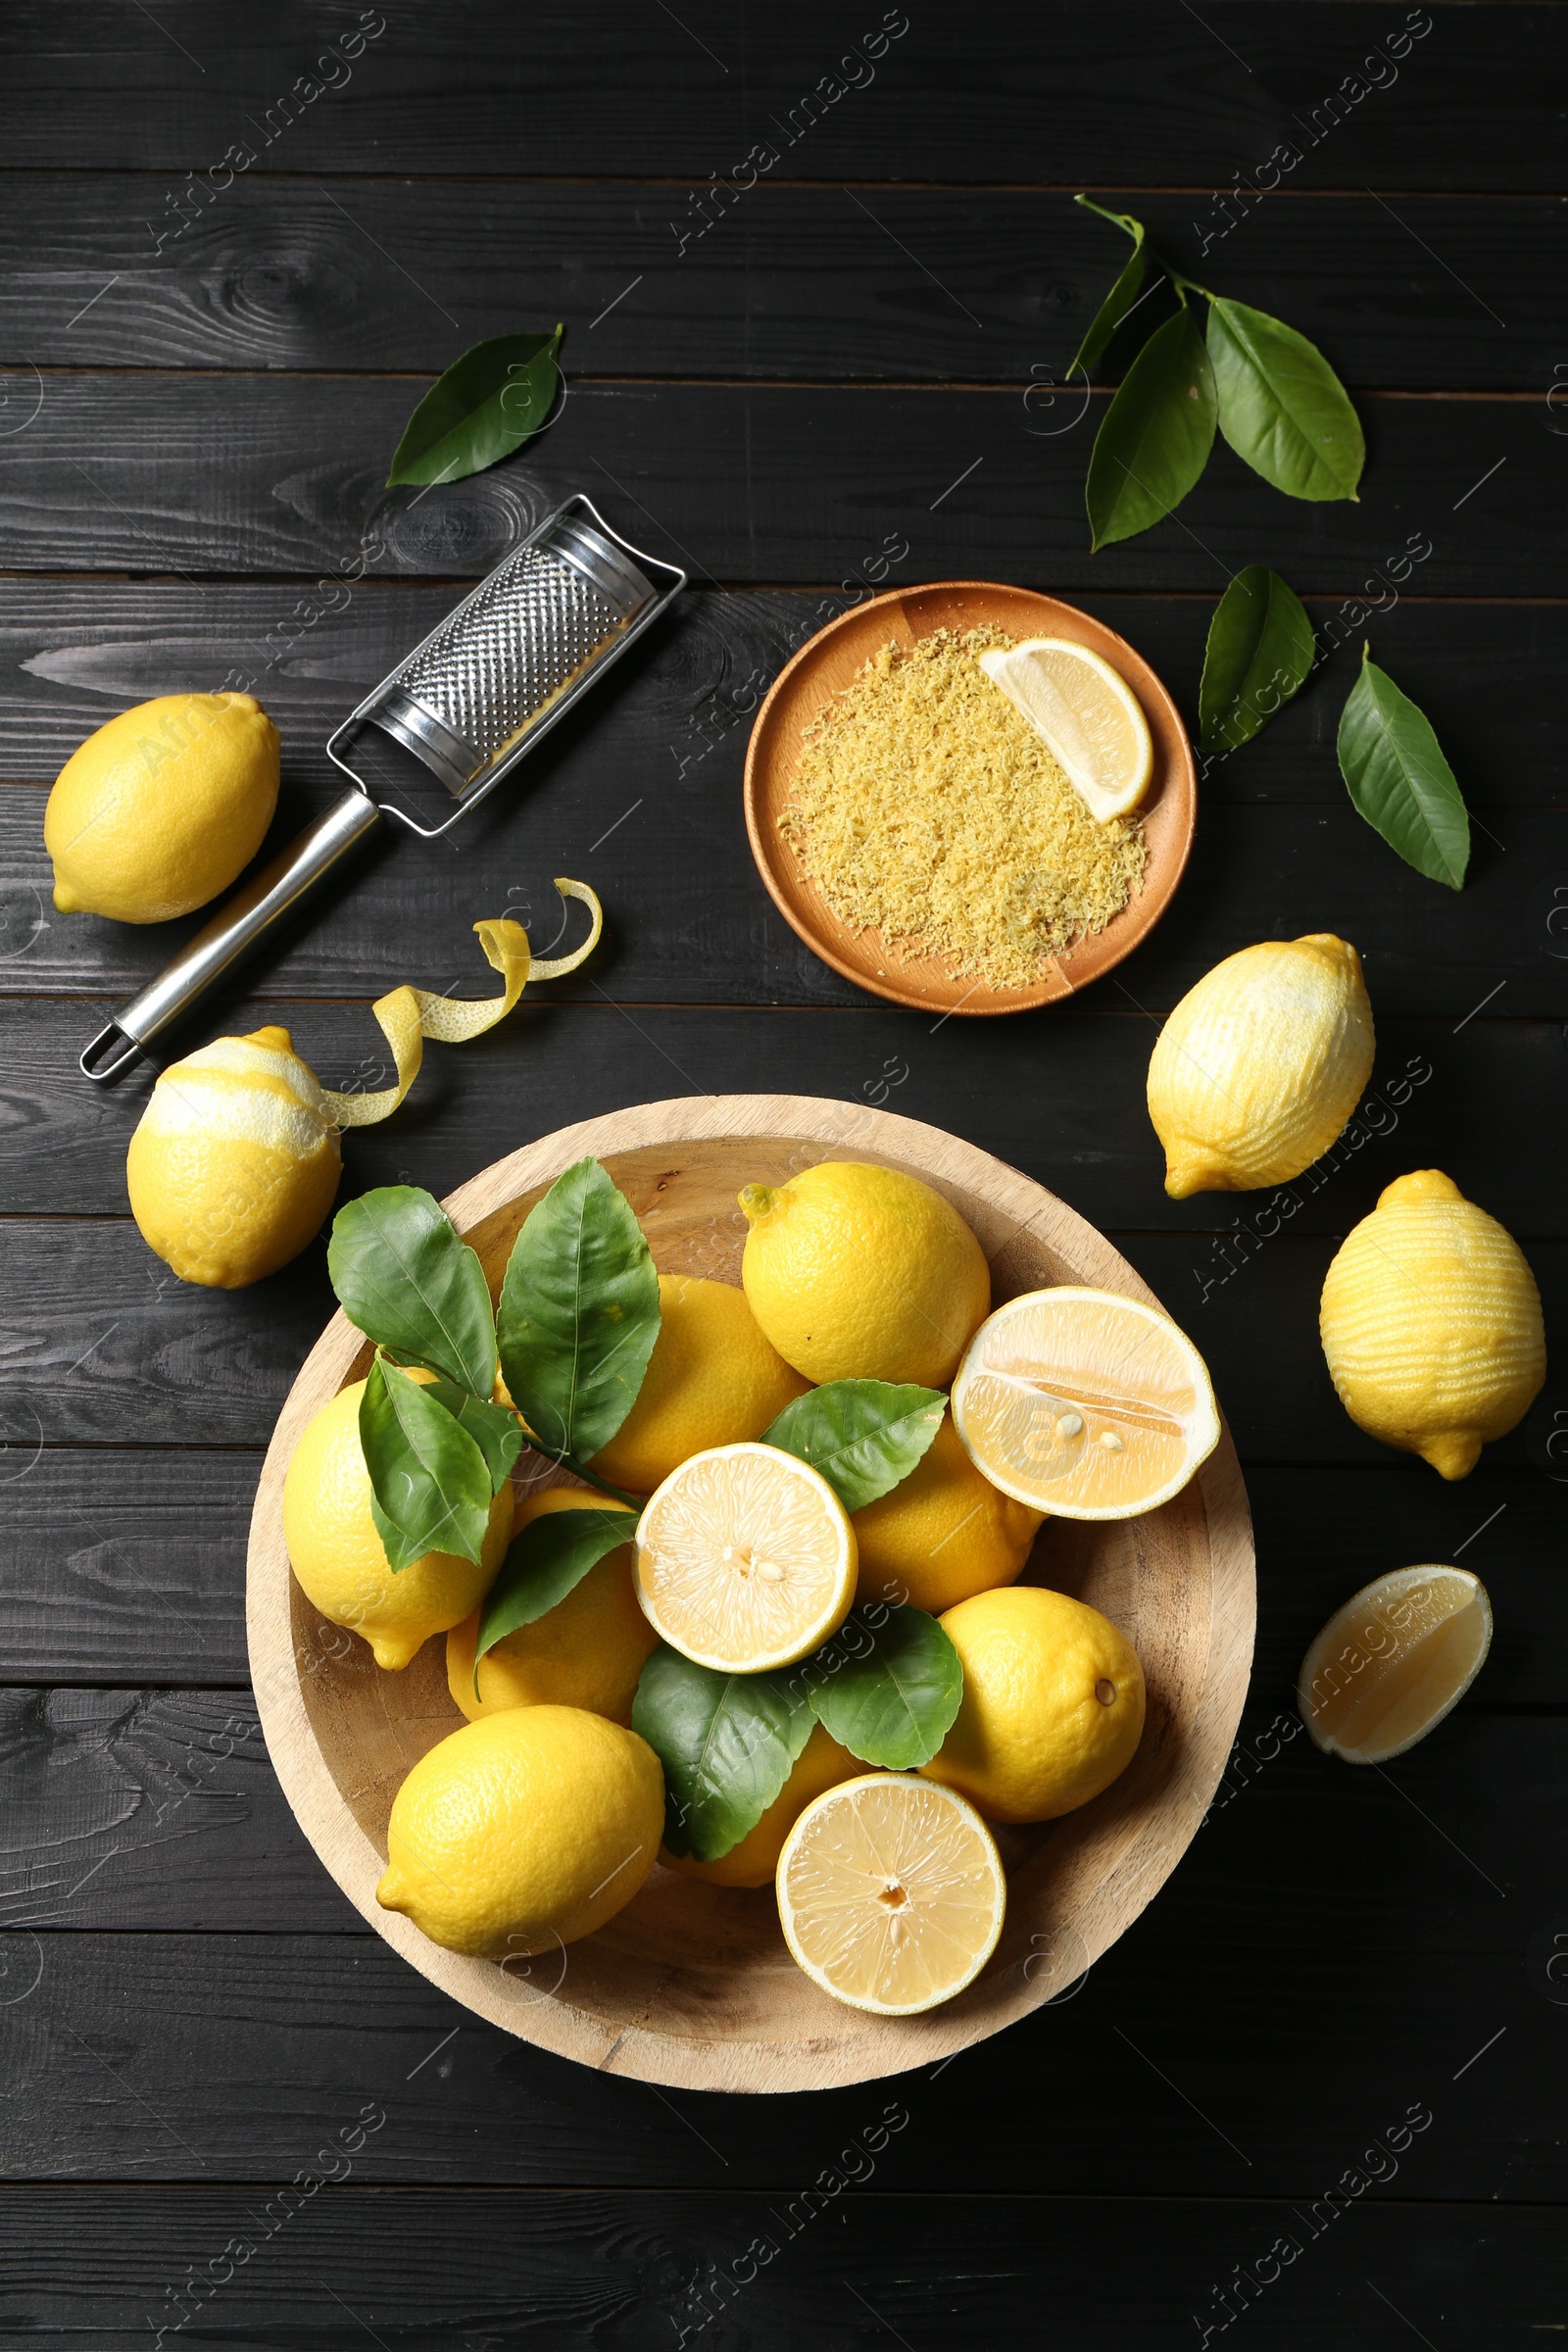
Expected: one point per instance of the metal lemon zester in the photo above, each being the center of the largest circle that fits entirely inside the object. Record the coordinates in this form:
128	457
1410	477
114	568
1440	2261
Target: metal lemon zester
469	702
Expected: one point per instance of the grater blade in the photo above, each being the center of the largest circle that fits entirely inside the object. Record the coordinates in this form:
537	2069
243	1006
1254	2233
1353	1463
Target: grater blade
507	663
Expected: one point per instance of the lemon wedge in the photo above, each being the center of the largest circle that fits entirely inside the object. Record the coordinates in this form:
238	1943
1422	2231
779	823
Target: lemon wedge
1085	712
1085	1404
745	1559
1387	1668
890	1894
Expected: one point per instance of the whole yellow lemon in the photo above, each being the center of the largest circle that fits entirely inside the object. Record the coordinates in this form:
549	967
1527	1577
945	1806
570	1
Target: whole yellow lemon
712	1379
523	1832
162	808
1053	1706
863	1273
234	1162
1431	1323
339	1561
587	1651
822	1764
1259	1066
942	1533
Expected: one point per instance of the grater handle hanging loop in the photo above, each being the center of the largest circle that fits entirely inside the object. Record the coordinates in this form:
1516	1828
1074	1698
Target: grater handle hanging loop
251	917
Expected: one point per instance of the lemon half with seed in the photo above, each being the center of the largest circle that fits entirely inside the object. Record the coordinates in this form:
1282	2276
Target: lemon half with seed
1085	1404
745	1559
1087	715
1387	1667
890	1894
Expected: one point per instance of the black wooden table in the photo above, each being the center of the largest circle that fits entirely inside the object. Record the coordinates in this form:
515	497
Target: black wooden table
840	377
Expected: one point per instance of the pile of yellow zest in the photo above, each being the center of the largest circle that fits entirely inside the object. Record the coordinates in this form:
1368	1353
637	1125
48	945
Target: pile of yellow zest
924	806
409	1015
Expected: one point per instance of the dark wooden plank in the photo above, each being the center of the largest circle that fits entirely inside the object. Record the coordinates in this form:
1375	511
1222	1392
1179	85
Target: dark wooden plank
689	922
1488	1103
80	2266
690	97
122	1565
152	1809
104	1347
911	284
750	484
1405	1915
1495	676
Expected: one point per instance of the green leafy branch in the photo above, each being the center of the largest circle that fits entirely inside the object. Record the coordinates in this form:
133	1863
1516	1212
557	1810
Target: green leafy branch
1268	390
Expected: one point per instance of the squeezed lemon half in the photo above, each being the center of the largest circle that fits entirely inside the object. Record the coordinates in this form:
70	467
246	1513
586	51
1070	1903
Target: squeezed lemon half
1388	1666
890	1894
1085	712
1085	1404
745	1559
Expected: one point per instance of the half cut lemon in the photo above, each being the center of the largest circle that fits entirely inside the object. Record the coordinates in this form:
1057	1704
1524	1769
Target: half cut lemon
1085	712
745	1559
1387	1668
889	1902
1085	1404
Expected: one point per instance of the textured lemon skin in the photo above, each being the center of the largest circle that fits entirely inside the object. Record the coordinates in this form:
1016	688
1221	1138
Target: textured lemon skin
820	1765
233	1165
1031	1739
530	1828
587	1651
1260	1065
863	1273
162	808
339	1561
1431	1324
713	1380
943	1534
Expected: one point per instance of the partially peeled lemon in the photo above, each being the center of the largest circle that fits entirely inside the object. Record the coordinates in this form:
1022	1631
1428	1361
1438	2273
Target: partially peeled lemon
1431	1323
1262	1063
236	1158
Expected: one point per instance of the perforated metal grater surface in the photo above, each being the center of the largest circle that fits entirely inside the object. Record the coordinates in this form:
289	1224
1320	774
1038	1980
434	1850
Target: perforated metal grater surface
502	667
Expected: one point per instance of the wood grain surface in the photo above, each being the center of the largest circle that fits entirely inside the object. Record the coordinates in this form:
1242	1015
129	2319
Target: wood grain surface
850	381
687	1985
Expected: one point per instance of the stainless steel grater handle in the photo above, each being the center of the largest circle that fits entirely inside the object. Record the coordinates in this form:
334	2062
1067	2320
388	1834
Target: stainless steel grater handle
470	701
242	926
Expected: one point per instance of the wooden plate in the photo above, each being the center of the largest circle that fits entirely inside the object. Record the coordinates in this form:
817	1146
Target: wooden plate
692	1985
827	662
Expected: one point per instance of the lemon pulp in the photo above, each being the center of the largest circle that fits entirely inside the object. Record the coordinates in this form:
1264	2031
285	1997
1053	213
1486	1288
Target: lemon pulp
745	1559
1391	1663
1085	1404
890	1894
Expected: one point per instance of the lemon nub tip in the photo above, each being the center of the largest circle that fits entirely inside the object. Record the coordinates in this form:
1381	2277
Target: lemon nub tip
1453	1455
756	1201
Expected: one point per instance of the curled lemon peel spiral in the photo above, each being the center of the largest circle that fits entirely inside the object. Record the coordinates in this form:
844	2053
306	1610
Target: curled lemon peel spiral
409	1015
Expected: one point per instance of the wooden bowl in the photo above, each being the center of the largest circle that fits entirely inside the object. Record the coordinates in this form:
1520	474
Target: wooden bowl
827	662
692	1985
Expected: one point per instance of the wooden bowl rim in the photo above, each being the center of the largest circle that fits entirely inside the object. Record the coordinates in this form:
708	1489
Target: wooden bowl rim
841	949
852	2047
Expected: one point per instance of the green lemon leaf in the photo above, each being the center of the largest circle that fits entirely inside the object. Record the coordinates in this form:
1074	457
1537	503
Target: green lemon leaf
404	1277
579	1315
487	404
1259	651
1393	767
543	1564
887	1687
862	1434
430	1486
1122	296
1281	406
727	1741
1157	435
496	1432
